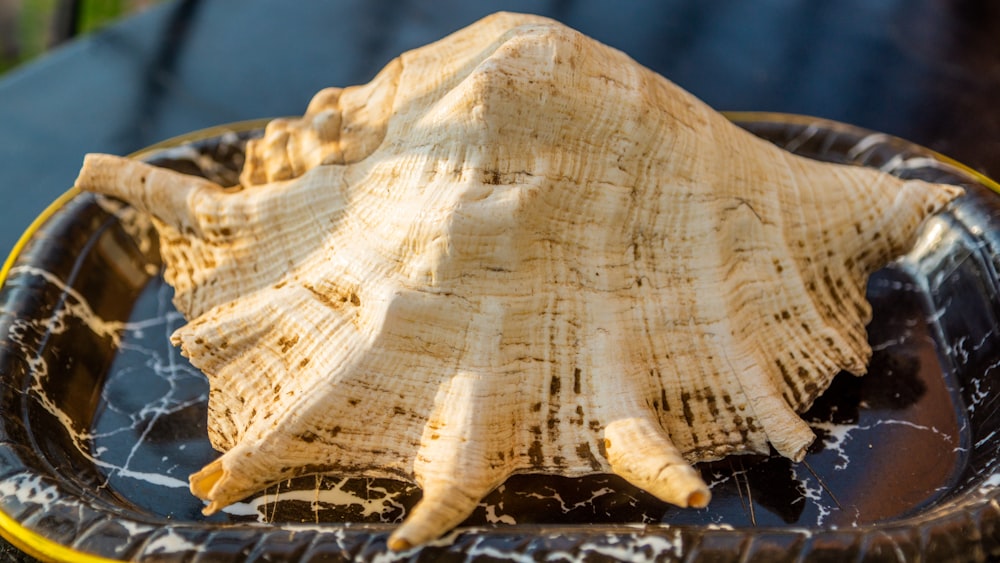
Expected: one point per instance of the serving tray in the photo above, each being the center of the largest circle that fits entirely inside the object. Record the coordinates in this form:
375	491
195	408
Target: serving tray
101	420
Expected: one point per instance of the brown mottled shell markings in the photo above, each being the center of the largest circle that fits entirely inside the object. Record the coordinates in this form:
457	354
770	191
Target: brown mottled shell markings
515	250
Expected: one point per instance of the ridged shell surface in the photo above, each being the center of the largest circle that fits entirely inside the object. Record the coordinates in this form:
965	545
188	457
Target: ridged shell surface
515	250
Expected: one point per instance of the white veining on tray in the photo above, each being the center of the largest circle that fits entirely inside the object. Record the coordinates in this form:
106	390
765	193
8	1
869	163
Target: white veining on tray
29	488
493	518
380	500
172	542
76	307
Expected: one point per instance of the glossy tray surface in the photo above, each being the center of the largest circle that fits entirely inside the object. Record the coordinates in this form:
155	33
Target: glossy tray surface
101	420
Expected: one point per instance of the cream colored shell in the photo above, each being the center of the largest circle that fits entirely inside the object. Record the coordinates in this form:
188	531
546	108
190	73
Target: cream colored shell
515	250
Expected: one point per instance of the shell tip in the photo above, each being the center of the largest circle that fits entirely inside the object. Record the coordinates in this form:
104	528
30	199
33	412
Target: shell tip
396	543
699	498
202	482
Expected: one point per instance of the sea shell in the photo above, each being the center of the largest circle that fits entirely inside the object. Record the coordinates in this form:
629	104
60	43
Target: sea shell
515	250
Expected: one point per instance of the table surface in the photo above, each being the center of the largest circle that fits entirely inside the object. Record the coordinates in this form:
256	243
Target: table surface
925	70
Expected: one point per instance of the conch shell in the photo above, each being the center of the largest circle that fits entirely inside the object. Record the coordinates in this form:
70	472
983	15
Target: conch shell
515	250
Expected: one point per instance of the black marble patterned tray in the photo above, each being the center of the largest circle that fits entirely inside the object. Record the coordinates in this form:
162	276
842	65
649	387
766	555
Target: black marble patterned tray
101	420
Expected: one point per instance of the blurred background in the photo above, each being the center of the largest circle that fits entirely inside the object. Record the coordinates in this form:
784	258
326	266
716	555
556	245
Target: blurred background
30	27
